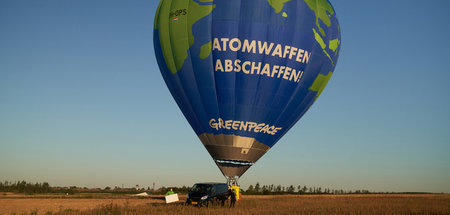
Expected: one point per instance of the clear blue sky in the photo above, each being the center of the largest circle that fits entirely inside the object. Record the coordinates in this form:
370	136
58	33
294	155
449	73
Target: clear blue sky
82	102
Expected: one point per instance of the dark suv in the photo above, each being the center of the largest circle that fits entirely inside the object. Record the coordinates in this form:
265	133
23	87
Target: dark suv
207	193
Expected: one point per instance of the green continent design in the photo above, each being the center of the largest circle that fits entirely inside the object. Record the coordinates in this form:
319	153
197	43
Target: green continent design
333	44
319	83
278	5
175	29
320	8
322	44
205	50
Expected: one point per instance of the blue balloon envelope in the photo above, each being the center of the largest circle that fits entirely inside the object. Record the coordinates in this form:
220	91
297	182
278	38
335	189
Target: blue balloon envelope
244	72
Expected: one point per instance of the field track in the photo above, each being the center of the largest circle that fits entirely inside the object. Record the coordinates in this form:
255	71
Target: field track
283	204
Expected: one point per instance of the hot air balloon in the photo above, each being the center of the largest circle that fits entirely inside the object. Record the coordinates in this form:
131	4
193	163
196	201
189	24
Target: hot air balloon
243	72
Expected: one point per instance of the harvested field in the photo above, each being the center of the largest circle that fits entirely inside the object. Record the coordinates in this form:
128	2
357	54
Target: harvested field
286	204
46	204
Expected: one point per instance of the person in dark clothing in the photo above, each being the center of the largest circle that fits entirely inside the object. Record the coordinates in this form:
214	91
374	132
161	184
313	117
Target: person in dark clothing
232	197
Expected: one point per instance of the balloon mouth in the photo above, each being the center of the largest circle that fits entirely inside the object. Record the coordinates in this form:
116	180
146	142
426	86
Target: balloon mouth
230	170
233	169
233	163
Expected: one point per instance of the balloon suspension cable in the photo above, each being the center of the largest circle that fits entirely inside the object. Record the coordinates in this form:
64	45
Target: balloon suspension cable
232	181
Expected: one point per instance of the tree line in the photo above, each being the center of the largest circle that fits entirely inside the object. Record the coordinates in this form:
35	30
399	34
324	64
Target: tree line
32	188
24	187
272	189
257	189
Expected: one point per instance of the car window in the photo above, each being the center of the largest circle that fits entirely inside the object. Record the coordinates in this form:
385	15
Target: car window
201	188
221	188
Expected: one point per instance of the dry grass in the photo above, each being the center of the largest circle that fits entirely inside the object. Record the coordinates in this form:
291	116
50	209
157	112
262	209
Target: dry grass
313	204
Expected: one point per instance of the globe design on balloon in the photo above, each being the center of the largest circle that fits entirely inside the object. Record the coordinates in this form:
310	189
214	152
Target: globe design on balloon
244	72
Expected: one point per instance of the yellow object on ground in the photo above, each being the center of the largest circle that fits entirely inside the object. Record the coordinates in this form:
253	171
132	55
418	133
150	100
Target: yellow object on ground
236	190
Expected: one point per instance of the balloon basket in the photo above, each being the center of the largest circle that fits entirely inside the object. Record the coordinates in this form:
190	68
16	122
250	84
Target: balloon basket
232	181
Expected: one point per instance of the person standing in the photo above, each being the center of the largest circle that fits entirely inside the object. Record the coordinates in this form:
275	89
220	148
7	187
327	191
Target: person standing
232	197
170	192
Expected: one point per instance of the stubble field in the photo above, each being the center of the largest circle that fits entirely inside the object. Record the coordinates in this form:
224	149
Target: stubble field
285	204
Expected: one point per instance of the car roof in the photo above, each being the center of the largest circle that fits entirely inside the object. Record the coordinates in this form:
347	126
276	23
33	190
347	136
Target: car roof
210	183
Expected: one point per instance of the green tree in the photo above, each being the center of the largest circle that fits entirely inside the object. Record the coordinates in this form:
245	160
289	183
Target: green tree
319	190
265	190
250	189
279	189
304	189
257	188
291	189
